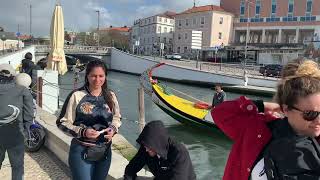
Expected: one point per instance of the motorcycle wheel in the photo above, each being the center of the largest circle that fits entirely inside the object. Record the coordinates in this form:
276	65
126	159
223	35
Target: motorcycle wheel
34	142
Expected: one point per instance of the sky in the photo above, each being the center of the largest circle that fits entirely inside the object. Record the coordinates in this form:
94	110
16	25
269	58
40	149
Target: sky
81	15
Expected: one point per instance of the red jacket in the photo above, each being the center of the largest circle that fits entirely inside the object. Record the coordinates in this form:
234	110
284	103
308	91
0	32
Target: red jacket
241	121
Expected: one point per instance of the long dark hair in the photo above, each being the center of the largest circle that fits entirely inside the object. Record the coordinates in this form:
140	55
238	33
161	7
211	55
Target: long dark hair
105	91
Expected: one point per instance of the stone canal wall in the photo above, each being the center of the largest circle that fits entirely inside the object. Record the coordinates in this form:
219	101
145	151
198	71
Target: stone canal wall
128	63
15	58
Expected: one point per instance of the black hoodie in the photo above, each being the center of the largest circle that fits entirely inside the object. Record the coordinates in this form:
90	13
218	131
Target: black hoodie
172	161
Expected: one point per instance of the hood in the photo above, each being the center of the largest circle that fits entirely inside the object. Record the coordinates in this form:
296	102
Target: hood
6	85
155	136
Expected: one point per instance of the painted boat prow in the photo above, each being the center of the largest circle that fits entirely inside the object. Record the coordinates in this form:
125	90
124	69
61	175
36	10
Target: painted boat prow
177	107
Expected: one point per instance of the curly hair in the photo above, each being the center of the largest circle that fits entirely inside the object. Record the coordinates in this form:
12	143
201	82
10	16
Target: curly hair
299	79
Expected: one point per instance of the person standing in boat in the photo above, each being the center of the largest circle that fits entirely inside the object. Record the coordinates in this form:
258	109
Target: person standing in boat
165	158
219	96
267	146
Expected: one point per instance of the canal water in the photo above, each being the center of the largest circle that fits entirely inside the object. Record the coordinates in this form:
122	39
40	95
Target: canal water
208	149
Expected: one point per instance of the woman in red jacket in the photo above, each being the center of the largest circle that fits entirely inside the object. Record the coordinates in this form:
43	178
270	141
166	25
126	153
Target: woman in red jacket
267	147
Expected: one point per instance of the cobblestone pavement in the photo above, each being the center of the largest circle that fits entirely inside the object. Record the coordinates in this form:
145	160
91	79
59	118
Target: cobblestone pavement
42	165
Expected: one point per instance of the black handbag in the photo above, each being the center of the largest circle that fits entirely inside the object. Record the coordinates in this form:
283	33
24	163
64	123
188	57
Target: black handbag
97	152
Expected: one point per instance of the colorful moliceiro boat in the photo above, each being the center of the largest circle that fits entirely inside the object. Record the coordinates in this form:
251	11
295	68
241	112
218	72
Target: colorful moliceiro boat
190	112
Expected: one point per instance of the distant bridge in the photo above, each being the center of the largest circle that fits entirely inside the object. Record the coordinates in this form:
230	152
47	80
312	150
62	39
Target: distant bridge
42	50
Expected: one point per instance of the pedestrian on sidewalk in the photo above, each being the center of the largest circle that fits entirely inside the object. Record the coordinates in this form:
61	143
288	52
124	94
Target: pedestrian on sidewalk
245	78
91	115
219	96
165	158
15	107
268	146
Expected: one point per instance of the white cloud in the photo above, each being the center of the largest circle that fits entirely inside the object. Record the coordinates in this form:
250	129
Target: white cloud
81	15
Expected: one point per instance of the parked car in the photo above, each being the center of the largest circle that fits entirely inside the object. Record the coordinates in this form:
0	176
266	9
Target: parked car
273	70
173	56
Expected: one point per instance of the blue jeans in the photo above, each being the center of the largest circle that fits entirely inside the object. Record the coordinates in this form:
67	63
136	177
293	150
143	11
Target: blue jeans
86	170
16	158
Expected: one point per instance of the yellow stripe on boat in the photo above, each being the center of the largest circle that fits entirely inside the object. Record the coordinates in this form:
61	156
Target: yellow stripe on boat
181	104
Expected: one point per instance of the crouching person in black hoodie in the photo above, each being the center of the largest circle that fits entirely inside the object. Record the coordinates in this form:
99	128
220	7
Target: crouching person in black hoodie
165	158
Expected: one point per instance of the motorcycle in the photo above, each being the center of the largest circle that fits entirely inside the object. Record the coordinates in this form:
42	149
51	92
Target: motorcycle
35	136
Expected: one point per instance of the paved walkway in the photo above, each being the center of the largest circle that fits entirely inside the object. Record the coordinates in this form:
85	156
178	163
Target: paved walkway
42	165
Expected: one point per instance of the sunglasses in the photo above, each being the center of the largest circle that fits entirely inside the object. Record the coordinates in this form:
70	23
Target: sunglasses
308	115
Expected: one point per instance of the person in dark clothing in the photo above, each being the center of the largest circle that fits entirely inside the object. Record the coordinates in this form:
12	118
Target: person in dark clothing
16	107
219	96
27	64
42	63
165	158
29	67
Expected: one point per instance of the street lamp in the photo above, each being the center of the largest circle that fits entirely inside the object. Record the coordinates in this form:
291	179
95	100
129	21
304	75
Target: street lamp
247	33
98	29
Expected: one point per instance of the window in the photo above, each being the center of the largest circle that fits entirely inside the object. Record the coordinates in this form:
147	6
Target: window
185	49
220	35
202	20
221	20
180	22
258	7
187	22
178	49
273	7
160	19
185	36
154	19
171	21
194	21
148	29
242	7
171	30
165	40
309	6
290	7
159	29
165	29
159	39
145	21
149	20
179	36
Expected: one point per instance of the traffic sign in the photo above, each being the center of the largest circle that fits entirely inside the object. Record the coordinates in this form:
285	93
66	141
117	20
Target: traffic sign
18	34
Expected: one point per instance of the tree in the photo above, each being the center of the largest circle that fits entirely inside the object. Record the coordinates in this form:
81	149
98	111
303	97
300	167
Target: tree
86	39
114	38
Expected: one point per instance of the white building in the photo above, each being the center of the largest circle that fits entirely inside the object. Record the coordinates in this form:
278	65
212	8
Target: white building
148	33
214	22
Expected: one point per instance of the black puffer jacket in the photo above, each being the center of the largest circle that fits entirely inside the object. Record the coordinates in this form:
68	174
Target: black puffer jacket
290	156
172	162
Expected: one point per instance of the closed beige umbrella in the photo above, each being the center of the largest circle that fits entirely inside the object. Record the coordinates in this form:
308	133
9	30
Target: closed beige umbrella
57	59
